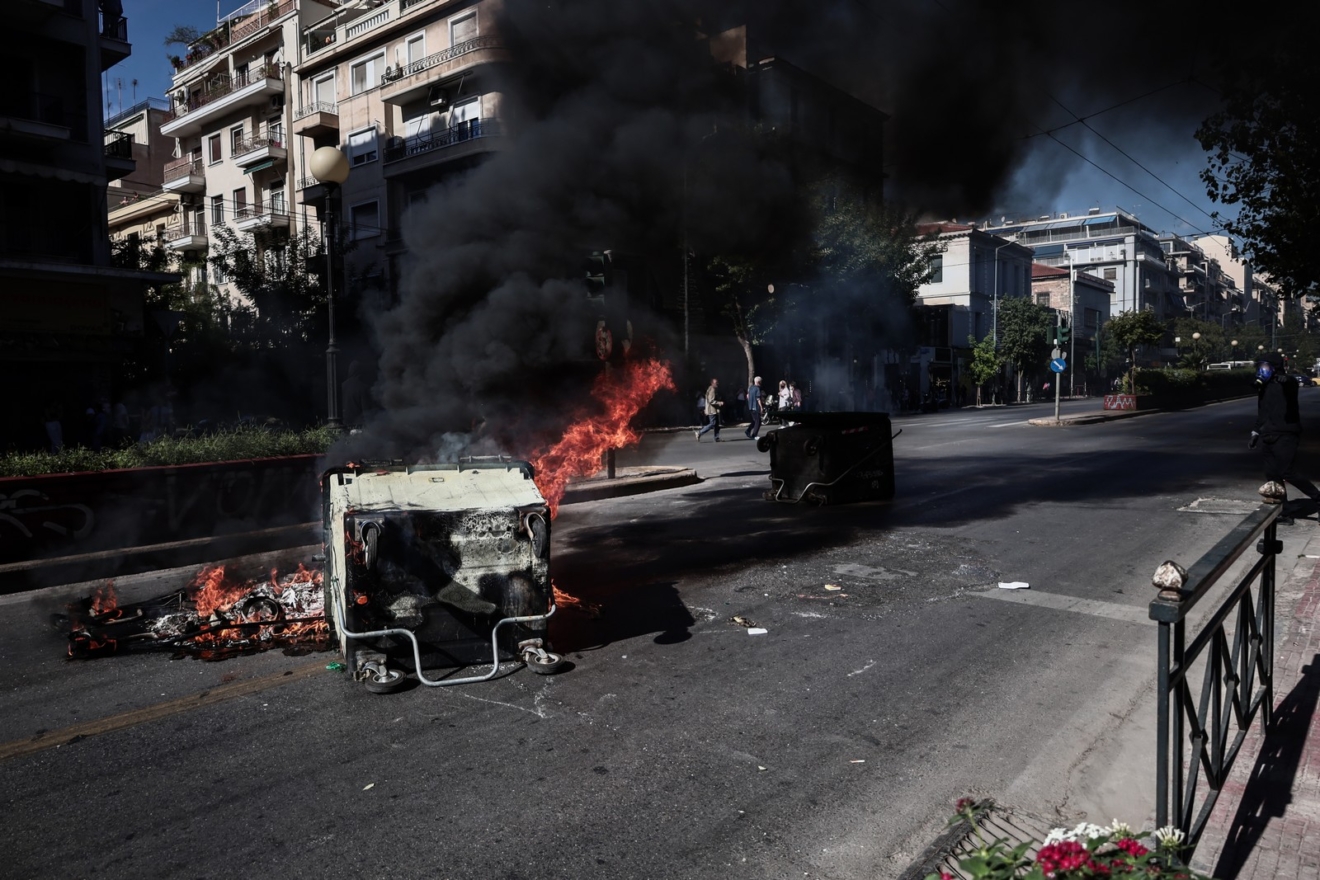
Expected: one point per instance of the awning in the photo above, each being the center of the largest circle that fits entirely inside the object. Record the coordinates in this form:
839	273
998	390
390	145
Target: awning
260	166
1096	221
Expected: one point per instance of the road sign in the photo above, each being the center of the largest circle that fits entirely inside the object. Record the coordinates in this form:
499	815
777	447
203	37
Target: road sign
1058	365
1059	353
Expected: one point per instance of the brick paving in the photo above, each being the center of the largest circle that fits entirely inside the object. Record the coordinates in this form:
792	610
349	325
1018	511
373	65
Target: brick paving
1266	822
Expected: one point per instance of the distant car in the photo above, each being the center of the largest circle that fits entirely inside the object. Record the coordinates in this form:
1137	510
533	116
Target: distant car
1303	380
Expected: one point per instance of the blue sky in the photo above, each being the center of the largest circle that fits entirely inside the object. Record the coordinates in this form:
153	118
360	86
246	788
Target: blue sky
1052	178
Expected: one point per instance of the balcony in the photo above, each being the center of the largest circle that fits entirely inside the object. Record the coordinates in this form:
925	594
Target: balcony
114	40
222	95
186	236
119	161
424	150
262	148
185	175
253	217
232	31
316	119
42	116
410	82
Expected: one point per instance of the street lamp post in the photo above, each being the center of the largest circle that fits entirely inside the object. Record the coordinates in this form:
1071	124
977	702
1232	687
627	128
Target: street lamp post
330	167
1235	345
1196	349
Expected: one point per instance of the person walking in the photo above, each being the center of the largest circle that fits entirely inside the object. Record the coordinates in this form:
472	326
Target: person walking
755	408
713	404
1278	430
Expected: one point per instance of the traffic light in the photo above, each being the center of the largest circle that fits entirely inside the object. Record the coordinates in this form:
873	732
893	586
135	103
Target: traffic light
1063	334
597	272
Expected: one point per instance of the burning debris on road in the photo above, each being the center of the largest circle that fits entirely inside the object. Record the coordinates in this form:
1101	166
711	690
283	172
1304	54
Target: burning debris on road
215	617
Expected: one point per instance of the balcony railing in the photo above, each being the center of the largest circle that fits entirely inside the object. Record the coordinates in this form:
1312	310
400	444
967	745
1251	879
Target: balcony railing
118	145
44	108
114	27
253	212
223	85
258	142
402	148
441	57
183	168
184	228
316	107
366	24
231	32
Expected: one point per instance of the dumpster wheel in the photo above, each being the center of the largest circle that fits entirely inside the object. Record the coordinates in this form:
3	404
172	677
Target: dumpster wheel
381	680
541	661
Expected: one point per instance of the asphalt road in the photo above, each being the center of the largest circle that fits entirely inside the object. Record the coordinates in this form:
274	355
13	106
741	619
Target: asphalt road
678	746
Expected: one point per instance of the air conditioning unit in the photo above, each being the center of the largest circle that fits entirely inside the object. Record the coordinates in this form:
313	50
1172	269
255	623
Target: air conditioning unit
436	97
1063	216
277	102
391	74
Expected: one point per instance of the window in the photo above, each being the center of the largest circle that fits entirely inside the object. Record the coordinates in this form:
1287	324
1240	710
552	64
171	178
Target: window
414	48
217	210
240	202
235	139
462	28
1042	299
277	198
364	220
362	147
365	74
213	144
465	111
323	90
936	270
1111	274
218	275
275	131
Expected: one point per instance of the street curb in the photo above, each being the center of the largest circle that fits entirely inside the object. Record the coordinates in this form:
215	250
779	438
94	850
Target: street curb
630	481
1091	418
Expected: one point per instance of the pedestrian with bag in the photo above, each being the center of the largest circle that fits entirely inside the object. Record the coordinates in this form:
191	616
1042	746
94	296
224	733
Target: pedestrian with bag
713	404
1278	431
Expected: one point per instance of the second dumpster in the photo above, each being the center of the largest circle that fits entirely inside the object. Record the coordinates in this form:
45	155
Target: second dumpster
831	458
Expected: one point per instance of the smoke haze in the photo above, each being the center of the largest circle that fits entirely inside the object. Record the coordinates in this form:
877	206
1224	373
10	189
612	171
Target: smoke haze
607	103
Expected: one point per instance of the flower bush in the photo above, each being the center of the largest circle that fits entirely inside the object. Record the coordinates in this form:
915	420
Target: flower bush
1086	851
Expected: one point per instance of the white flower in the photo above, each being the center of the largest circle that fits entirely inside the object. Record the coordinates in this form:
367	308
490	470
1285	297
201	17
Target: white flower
1056	835
1120	830
1085	831
1169	837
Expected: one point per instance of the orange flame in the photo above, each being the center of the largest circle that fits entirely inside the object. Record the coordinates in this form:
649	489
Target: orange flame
104	600
623	392
210	590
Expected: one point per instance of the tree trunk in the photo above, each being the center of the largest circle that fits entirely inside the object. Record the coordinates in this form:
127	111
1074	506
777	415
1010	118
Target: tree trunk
747	352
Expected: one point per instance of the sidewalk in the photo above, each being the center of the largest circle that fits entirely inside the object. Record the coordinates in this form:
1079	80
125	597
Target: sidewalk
1267	820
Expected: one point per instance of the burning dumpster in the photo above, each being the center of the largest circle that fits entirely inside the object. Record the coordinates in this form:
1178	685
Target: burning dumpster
831	458
436	566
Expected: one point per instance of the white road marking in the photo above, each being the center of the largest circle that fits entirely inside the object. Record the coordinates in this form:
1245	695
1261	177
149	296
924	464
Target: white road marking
1112	610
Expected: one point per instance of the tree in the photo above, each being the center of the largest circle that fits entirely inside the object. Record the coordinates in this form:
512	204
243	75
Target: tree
1131	330
1264	158
1202	342
986	362
747	299
280	280
1025	333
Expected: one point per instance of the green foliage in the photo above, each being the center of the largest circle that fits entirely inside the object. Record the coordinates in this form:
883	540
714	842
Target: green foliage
1026	331
1189	387
860	241
1202	342
1264	160
182	35
1085	851
1131	330
231	445
985	360
281	279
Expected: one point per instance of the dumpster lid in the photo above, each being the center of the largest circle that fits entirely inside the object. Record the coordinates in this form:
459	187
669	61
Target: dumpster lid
465	486
839	420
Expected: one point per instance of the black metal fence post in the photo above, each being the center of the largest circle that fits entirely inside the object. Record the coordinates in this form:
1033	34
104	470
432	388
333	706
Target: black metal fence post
1238	676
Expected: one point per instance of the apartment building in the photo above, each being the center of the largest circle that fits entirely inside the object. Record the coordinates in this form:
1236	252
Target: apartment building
1209	293
67	315
1081	297
1260	300
231	100
1112	245
974	272
408	90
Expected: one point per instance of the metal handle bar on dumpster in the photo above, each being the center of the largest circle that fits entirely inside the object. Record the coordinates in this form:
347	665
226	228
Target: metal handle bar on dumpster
417	654
807	488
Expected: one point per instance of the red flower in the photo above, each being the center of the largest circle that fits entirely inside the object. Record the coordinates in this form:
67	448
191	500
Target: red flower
1133	848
